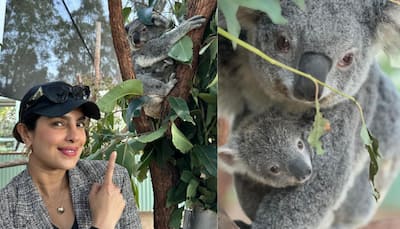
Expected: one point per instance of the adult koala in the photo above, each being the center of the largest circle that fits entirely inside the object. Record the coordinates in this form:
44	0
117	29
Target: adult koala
335	42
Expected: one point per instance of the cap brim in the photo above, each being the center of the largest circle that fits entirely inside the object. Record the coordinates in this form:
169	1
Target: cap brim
89	109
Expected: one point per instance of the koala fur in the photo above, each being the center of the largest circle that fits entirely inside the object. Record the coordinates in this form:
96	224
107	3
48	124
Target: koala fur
271	149
339	194
336	42
150	45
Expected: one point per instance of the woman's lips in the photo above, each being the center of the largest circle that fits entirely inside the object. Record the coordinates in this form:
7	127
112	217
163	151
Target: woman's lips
68	151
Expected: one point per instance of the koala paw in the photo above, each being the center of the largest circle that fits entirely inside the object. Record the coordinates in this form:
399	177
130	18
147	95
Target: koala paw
195	22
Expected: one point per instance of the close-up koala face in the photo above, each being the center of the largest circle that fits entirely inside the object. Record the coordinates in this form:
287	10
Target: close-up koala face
273	151
139	33
333	42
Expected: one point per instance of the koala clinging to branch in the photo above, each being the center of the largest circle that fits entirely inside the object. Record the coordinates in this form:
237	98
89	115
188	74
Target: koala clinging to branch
150	45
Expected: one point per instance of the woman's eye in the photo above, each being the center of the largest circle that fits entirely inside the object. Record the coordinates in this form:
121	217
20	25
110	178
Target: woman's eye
58	124
81	124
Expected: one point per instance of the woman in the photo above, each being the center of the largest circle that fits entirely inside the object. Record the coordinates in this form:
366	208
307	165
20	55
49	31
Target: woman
57	190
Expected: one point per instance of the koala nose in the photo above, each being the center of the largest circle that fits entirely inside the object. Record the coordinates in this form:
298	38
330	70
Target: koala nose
300	170
317	65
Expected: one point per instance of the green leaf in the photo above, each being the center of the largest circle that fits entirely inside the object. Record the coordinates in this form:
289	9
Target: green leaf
186	176
208	97
179	140
317	131
300	4
372	145
180	107
126	157
128	87
183	50
153	135
176	218
229	9
207	156
133	110
272	8
125	13
176	194
192	188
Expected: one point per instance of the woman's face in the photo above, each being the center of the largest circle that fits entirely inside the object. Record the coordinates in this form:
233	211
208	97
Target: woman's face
57	143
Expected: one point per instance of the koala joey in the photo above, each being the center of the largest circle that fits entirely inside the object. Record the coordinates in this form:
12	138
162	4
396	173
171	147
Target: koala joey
271	149
150	45
335	41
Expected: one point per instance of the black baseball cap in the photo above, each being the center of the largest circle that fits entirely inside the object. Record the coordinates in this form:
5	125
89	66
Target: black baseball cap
55	99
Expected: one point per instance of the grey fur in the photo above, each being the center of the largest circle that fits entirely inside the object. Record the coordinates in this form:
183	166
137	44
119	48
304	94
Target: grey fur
328	28
150	45
272	149
324	33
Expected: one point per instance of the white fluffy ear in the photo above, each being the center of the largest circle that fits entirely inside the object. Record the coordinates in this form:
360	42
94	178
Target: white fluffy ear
388	30
227	158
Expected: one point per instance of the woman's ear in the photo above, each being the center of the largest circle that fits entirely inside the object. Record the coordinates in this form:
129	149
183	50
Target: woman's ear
25	134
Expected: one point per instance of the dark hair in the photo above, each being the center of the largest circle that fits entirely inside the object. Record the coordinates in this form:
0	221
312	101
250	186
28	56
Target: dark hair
30	123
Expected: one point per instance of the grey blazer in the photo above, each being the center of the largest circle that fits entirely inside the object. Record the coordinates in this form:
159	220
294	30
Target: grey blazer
22	207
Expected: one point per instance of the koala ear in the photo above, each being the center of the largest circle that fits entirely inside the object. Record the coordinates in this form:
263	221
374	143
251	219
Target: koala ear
226	158
248	17
388	28
160	21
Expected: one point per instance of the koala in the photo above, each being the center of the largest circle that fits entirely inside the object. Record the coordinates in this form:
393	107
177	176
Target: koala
334	41
150	45
271	149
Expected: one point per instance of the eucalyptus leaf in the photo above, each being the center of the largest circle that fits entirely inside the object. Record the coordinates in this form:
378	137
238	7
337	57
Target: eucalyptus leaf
300	4
183	50
192	188
272	8
186	176
179	140
207	156
176	218
318	129
133	110
180	107
125	13
128	87
229	10
153	135
176	194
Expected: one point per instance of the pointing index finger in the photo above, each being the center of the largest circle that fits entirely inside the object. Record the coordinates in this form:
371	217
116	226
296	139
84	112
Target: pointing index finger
110	168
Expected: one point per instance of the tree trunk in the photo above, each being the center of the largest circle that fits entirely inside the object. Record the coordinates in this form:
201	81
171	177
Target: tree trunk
121	45
163	177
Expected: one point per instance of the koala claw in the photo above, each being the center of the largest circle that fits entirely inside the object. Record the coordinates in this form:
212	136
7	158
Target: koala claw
196	21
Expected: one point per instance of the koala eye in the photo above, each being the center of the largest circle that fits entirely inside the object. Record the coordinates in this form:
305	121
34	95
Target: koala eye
347	60
300	144
274	169
283	44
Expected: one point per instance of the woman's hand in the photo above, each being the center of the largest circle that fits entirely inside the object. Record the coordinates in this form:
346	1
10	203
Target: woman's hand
105	200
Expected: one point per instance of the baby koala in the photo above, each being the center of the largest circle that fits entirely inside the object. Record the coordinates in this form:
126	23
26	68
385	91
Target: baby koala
271	148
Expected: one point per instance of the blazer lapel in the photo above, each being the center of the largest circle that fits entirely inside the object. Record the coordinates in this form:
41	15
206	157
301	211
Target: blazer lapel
30	209
80	188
